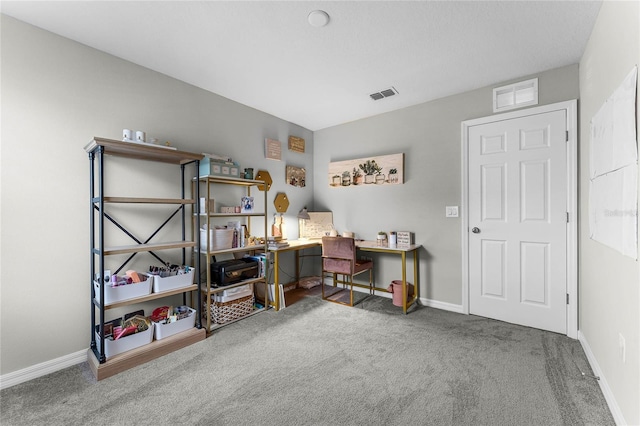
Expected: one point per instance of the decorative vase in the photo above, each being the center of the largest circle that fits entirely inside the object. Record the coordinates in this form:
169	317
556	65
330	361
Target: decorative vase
380	179
369	178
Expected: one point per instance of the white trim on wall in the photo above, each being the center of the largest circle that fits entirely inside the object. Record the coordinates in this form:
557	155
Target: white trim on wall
445	306
602	382
42	369
572	202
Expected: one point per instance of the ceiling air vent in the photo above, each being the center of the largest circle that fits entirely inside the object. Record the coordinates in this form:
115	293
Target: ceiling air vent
383	94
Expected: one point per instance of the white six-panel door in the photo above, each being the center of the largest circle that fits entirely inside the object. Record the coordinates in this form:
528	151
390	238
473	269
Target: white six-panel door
517	216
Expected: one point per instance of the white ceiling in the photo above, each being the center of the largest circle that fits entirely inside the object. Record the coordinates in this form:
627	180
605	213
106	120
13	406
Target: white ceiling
264	54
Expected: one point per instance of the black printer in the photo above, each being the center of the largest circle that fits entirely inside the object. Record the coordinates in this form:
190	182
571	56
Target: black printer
231	271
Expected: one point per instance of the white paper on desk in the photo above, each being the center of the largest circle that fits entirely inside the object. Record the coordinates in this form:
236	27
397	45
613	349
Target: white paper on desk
613	210
613	130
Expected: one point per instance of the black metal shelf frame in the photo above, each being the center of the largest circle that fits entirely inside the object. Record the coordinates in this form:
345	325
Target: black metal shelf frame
97	205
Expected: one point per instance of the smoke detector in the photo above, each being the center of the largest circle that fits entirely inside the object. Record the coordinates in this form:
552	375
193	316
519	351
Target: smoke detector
318	18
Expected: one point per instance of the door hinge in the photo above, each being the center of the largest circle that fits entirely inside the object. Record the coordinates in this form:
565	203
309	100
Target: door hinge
567	217
566	136
567	298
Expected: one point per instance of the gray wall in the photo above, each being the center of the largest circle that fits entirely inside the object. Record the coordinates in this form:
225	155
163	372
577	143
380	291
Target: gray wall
429	135
56	96
609	281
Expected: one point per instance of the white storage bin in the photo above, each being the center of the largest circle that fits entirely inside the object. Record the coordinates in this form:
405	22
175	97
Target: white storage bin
123	292
233	293
220	239
166	330
127	343
170	283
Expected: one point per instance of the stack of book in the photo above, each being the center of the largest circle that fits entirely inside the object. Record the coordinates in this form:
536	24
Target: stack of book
262	263
276	243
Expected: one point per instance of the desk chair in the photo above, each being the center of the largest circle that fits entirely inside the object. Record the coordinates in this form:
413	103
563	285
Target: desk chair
339	258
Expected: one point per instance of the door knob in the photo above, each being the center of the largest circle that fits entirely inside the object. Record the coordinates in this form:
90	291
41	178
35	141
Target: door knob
475	230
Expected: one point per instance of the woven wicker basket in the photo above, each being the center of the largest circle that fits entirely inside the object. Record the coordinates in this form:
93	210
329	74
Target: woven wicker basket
223	312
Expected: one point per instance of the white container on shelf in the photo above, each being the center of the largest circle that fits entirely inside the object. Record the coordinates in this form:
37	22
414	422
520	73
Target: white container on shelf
219	239
123	292
233	293
165	330
161	284
127	343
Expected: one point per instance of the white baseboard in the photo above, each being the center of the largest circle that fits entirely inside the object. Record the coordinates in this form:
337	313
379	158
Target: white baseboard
604	386
424	302
42	369
441	305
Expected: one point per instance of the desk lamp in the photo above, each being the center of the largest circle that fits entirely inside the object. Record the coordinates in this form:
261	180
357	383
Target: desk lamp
303	216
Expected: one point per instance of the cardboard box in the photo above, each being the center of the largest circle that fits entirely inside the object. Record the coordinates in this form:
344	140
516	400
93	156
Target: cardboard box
165	330
123	292
161	284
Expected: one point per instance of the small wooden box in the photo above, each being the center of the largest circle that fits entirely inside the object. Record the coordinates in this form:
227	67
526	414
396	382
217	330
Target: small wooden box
204	208
405	239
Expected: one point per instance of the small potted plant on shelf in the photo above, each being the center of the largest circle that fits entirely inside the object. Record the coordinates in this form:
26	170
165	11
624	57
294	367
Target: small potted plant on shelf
381	239
346	178
357	176
393	175
370	169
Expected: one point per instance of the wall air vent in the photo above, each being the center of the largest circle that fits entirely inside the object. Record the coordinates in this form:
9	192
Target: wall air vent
383	94
515	95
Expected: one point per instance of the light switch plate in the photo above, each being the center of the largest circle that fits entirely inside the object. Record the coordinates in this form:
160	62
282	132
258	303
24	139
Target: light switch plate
452	211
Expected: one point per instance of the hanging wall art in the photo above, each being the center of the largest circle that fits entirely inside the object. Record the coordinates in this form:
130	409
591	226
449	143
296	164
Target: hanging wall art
296	176
378	170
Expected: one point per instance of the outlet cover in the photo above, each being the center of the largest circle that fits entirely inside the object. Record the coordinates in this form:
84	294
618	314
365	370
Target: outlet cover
451	211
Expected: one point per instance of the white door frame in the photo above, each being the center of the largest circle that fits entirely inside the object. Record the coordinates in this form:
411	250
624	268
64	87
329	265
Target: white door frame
572	202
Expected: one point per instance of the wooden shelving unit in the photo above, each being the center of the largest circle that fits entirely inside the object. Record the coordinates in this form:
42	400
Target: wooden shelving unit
97	149
208	183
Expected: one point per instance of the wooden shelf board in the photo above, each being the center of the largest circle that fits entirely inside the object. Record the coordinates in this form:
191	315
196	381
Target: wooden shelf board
142	152
132	200
214	290
126	360
148	247
231	180
232	250
231	214
152	296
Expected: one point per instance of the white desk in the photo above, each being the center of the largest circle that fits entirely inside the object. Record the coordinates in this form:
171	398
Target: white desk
366	246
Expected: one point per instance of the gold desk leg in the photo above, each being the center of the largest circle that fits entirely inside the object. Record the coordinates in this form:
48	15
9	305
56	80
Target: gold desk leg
415	276
404	282
276	292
